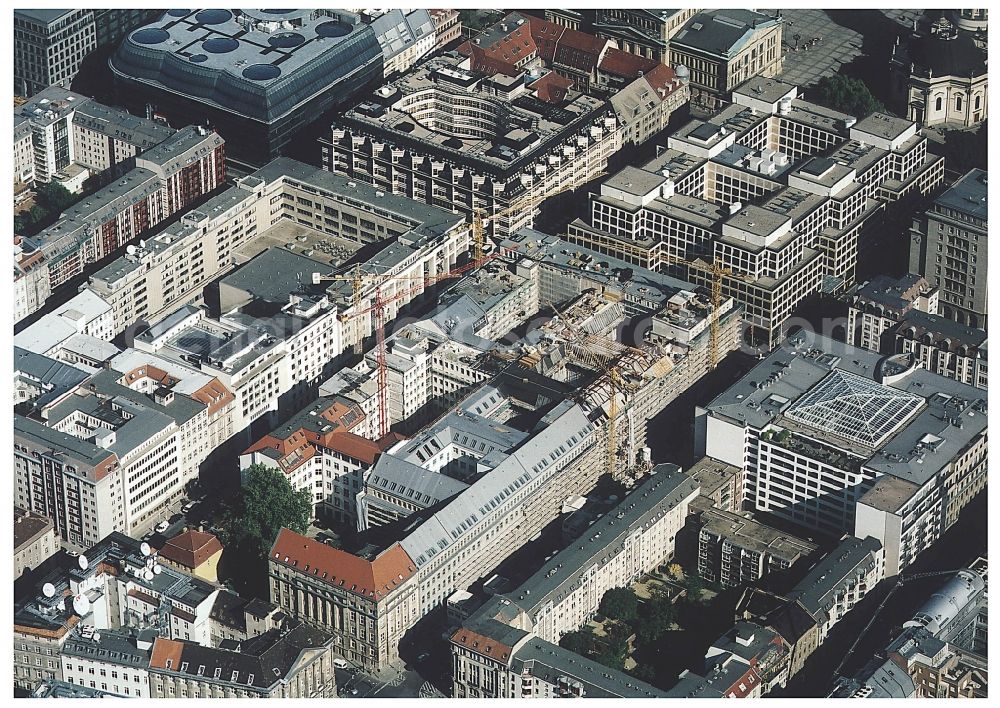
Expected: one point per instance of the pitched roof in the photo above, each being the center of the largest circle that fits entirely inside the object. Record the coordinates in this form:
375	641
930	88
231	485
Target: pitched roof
660	77
320	425
369	579
552	87
191	549
626	64
165	650
481	644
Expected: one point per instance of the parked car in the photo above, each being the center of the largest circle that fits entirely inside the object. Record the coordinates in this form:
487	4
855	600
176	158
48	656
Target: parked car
340	663
162	526
187	507
72	554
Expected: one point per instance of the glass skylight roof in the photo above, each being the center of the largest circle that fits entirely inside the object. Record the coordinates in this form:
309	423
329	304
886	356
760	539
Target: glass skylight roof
854	408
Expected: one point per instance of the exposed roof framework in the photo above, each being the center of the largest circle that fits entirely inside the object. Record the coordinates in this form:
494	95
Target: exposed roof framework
854	408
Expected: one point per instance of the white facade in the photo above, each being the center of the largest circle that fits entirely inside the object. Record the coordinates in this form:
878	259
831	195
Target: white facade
98	670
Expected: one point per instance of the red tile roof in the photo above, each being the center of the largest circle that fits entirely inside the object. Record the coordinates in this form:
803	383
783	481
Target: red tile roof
370	579
553	44
191	549
626	64
661	78
164	650
552	88
482	644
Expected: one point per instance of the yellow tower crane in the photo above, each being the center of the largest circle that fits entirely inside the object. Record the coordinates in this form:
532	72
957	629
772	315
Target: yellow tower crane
716	271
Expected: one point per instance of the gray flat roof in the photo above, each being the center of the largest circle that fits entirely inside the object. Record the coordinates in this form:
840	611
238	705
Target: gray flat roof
45	438
275	274
967	195
639	285
764	89
768	390
423	218
635	181
757	220
755	536
41	15
883	125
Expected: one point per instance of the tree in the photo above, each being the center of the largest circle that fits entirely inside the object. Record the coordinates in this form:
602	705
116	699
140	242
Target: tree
694	584
660	617
265	504
620	604
54	197
578	642
848	95
675	570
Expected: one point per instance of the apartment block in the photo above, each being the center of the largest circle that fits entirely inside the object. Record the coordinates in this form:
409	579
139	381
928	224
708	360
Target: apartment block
435	134
77	333
721	484
318	451
735	550
840	580
108	454
748	661
110	661
39	379
169	269
49	46
511	663
293	661
116	585
943	346
789	619
685	212
34	540
405	38
495	651
62	136
948	246
447	27
878	304
631	539
167	178
843	440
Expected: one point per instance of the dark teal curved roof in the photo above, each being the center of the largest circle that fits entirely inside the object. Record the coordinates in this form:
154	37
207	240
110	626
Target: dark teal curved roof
248	62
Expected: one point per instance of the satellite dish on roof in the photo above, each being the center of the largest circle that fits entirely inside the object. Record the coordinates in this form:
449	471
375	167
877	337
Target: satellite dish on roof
81	604
157	569
145	549
49	590
84	563
147	575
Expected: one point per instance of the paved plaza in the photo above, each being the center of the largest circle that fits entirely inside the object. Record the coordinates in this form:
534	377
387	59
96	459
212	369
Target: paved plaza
806	62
